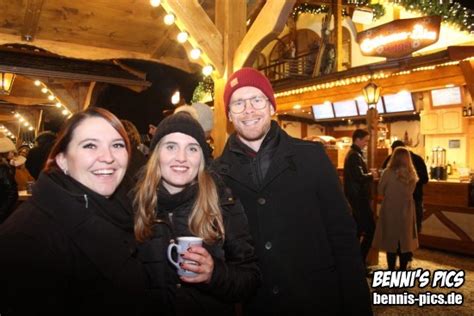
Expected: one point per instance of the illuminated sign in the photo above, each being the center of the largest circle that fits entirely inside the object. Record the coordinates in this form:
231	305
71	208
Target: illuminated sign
400	37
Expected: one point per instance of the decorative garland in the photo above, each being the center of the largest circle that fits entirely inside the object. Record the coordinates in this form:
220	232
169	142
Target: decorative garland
450	12
203	90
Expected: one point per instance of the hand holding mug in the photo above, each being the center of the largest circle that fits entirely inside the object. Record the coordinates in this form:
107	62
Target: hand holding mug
194	264
204	267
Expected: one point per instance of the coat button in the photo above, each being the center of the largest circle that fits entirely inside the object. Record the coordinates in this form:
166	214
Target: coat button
268	245
178	286
261	201
275	289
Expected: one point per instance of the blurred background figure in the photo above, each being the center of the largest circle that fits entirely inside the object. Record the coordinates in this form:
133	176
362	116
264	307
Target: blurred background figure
396	227
137	157
22	175
8	186
37	156
422	173
205	116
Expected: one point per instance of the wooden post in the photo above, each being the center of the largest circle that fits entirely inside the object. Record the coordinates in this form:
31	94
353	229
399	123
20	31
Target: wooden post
372	127
337	13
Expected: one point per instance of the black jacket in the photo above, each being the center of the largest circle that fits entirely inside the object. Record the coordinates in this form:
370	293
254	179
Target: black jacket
356	176
304	236
8	189
235	276
61	256
421	171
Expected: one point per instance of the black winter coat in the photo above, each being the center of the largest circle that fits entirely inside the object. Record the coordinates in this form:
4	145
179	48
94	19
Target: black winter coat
357	178
8	189
235	276
60	257
304	235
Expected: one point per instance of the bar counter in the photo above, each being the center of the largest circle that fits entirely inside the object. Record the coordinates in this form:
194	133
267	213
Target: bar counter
448	218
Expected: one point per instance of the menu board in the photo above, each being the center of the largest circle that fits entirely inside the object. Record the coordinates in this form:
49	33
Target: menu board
446	96
362	105
400	102
345	108
322	111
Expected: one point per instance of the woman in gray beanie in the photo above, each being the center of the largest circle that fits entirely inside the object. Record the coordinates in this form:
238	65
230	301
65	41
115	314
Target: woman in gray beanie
178	196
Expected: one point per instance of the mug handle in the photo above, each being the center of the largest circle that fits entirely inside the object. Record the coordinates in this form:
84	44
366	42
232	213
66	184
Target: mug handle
170	257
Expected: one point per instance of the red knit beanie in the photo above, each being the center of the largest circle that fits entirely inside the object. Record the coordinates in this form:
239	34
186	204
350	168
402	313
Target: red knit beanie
248	77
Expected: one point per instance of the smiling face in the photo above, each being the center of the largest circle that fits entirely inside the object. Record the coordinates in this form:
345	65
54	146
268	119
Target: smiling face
96	156
251	125
180	158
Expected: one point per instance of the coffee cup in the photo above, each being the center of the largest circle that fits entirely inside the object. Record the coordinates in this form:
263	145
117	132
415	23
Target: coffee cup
181	245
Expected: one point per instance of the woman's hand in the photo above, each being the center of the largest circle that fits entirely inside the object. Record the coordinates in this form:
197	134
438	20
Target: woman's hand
204	265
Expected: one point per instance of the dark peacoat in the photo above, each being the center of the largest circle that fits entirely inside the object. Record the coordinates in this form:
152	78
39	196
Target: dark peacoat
61	256
304	235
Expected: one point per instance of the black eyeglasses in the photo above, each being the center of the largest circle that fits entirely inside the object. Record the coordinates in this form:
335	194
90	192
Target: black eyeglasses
238	106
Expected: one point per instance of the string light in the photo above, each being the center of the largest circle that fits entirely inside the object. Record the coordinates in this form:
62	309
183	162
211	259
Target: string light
23	122
6	131
195	53
169	19
155	3
207	70
182	37
51	97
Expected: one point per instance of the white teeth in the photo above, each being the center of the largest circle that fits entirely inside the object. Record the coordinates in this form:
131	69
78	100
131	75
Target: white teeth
177	168
103	172
250	122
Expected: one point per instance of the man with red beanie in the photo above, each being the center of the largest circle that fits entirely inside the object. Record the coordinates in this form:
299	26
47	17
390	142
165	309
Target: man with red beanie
298	216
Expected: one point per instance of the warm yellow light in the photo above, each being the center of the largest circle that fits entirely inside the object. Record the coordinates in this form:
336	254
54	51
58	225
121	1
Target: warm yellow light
30	128
16	115
51	97
65	112
37	83
207	70
296	106
21	119
26	124
6	82
195	53
182	37
44	90
155	3
169	19
175	98
371	94
58	104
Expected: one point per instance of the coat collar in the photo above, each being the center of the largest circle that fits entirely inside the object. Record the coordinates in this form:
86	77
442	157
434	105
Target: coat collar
232	159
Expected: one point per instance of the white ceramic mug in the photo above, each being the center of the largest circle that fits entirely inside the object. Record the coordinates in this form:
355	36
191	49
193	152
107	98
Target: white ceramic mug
182	245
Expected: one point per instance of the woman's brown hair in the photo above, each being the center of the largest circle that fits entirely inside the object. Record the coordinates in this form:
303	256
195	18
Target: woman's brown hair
67	132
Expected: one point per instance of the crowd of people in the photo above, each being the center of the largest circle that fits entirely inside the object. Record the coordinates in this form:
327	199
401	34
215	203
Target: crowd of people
280	234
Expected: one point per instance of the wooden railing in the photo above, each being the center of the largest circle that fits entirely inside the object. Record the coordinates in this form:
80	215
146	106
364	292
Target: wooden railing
301	66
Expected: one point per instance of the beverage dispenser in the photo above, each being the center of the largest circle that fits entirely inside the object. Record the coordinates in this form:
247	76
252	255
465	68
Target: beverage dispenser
438	164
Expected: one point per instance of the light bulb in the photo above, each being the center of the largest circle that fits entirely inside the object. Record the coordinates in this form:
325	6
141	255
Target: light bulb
207	70
155	3
169	19
44	90
51	97
37	83
195	53
65	112
30	128
182	37
58	104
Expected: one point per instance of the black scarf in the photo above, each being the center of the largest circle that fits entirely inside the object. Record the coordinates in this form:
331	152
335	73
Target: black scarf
116	209
168	202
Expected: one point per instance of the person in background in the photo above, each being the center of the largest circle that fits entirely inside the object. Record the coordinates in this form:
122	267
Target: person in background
36	159
137	158
204	115
422	173
179	196
22	176
8	185
305	238
70	249
396	227
357	180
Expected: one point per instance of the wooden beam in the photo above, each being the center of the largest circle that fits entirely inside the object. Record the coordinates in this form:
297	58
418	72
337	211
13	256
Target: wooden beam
31	19
23	100
192	18
93	52
159	47
467	68
88	98
337	12
267	26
